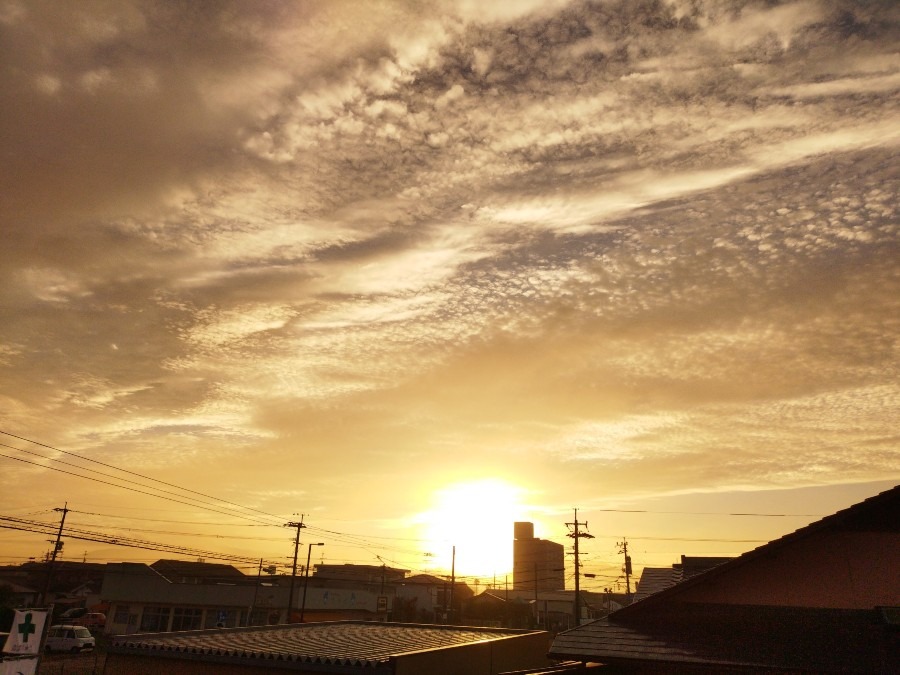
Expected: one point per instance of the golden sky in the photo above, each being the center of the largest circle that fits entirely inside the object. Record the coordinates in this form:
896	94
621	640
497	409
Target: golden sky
416	270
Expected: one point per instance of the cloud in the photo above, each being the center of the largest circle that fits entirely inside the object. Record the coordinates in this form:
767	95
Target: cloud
632	247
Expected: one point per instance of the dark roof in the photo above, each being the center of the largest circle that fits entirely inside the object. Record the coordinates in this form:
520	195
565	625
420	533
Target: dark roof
656	579
16	587
692	565
668	629
426	579
336	643
181	570
748	637
880	513
488	597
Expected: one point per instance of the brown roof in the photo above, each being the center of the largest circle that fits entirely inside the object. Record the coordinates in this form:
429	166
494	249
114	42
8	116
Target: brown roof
656	579
180	570
665	630
739	637
878	513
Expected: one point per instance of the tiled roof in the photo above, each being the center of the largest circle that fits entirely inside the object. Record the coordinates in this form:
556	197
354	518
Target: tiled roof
344	643
691	565
667	627
739	636
878	513
655	579
175	570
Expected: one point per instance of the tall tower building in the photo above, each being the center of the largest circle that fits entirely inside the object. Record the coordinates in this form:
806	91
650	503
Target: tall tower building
538	564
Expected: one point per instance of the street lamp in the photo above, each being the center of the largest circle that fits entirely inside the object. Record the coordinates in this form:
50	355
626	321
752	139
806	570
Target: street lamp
306	578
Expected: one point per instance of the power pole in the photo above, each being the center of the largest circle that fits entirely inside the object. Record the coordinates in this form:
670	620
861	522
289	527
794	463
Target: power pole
299	527
57	547
452	584
576	535
623	548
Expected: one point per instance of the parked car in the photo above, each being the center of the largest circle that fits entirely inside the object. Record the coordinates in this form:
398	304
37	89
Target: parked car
68	638
91	620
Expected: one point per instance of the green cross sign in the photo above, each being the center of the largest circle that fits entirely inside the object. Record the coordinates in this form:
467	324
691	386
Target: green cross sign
26	628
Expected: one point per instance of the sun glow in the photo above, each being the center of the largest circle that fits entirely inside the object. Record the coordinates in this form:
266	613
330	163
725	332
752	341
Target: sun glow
477	518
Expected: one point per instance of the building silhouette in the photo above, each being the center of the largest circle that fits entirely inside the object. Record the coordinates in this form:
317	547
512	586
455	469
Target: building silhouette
538	564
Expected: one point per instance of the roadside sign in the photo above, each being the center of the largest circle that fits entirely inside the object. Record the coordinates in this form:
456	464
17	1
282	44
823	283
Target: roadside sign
26	632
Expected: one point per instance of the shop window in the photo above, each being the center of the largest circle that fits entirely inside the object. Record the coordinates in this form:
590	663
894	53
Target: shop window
120	616
187	618
224	618
155	619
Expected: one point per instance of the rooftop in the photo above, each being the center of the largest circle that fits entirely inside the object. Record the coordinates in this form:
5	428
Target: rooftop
336	643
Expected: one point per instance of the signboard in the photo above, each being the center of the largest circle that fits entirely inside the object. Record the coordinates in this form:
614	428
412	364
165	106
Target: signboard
382	603
26	631
22	666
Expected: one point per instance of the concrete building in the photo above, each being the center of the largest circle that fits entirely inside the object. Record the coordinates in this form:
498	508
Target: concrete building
538	564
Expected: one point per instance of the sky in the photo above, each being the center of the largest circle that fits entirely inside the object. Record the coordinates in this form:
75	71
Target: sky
414	270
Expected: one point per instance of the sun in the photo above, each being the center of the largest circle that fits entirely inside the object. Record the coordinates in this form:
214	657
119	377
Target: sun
477	518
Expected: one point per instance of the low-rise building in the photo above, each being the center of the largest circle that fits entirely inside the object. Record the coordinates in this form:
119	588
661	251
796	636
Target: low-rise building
183	595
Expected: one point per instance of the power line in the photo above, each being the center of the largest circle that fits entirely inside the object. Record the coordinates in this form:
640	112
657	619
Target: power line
161	520
38	527
715	513
123	487
139	475
118	478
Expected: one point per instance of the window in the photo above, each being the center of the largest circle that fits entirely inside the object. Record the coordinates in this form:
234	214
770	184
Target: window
227	618
259	617
121	615
186	618
155	619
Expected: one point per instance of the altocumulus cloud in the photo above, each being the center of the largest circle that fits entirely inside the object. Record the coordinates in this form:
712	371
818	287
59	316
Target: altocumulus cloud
655	235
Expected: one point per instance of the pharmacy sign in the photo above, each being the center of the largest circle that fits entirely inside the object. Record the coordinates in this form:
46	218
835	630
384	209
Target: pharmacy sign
25	634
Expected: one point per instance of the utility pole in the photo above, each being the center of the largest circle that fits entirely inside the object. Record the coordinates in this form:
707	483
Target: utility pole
306	578
255	593
623	548
576	535
57	547
299	526
452	584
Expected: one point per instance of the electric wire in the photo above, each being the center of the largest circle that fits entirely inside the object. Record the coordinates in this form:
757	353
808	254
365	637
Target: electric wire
150	494
139	475
50	529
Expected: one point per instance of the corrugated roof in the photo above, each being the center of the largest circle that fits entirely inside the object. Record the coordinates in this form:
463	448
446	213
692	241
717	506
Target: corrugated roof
345	643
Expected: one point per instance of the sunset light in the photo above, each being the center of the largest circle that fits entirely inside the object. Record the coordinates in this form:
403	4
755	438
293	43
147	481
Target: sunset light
476	517
392	276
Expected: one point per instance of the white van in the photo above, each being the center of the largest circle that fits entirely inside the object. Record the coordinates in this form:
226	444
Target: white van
68	638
